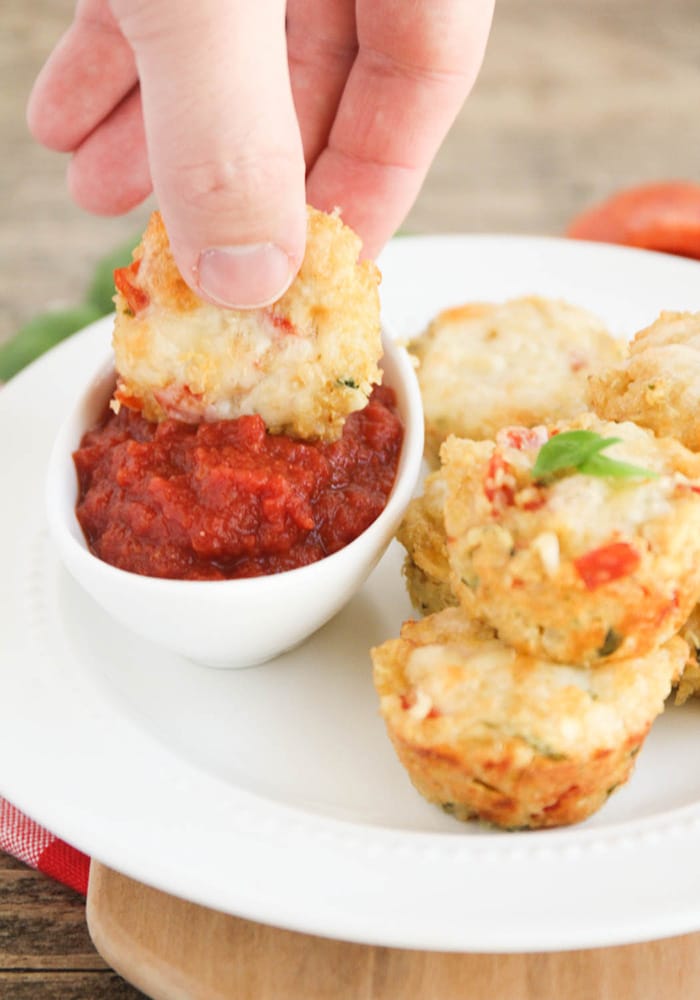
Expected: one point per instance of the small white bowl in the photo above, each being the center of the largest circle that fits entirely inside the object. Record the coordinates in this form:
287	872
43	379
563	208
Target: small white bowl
230	623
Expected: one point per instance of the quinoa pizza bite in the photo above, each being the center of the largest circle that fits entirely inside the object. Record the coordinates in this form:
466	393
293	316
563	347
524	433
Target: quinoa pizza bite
658	386
426	568
521	742
579	543
484	366
689	682
303	363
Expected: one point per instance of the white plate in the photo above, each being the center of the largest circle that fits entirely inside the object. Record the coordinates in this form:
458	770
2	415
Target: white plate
273	793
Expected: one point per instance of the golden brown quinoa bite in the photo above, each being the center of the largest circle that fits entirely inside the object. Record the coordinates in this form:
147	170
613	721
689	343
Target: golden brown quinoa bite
426	593
576	568
485	731
689	682
485	366
426	568
658	386
303	363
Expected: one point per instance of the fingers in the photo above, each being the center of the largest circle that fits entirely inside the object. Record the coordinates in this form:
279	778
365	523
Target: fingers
415	66
321	48
224	146
108	173
86	76
226	151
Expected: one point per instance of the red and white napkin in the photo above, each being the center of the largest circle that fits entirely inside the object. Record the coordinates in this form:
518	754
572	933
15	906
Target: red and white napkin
28	842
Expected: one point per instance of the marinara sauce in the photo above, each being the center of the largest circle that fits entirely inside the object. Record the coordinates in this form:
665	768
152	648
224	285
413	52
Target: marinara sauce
215	501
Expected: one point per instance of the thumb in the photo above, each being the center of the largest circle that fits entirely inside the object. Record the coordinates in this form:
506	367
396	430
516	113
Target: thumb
224	145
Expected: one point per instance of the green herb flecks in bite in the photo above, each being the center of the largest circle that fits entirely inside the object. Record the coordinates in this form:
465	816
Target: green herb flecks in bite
612	642
349	383
580	451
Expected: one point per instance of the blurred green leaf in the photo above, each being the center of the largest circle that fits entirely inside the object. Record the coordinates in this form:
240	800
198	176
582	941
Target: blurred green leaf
101	290
42	333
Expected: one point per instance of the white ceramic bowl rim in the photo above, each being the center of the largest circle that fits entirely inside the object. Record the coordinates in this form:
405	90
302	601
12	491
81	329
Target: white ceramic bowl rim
402	379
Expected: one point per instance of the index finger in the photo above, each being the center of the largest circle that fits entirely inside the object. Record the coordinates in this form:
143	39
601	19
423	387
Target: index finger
415	66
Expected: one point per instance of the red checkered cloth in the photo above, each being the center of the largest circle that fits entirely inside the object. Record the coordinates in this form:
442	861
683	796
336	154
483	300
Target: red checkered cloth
28	842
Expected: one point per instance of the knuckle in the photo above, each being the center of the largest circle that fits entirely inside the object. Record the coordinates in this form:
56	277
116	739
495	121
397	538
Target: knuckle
242	180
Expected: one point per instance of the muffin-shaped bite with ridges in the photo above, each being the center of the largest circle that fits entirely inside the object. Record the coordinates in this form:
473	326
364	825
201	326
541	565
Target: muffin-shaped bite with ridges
658	386
485	731
483	366
303	363
575	567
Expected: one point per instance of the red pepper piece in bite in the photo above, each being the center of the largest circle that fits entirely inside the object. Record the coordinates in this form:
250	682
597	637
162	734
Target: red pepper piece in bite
499	483
281	323
524	437
136	298
608	563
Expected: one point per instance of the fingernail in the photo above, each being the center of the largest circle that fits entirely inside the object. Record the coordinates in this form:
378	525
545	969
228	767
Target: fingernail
244	277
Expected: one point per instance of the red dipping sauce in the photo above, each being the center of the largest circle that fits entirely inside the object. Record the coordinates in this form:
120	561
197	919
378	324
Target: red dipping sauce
215	501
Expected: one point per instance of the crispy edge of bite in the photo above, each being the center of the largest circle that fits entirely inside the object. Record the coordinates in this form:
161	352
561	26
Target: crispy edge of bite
427	594
548	610
426	569
333	303
505	780
689	681
164	281
654	387
604	347
421	345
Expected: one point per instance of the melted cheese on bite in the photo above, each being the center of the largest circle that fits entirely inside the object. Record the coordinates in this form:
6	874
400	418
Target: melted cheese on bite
485	366
456	669
303	364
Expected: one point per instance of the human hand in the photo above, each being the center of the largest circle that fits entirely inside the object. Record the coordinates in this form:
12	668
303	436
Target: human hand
236	116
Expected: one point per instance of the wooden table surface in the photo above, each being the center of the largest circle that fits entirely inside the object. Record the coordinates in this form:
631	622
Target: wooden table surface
576	99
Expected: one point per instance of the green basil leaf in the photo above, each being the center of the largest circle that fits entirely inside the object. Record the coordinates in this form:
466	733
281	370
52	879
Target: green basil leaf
580	451
601	465
568	450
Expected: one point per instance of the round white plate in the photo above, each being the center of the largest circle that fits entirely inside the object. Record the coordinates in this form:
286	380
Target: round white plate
273	793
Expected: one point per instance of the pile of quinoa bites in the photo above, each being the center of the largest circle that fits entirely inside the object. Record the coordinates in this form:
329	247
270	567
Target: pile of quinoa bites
554	555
